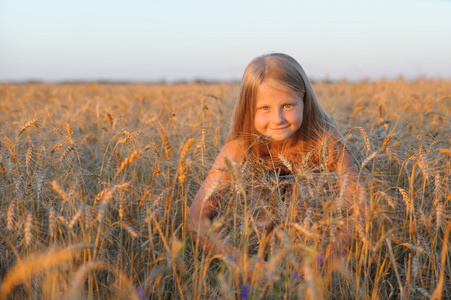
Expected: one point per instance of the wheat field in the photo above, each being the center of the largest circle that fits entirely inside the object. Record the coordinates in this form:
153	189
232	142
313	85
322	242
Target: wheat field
97	179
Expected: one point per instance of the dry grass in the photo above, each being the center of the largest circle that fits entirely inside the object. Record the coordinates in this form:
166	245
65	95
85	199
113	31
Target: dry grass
96	181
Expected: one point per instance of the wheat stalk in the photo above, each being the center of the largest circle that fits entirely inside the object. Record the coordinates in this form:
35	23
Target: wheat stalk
63	195
203	134
386	140
69	133
118	159
56	147
167	146
128	161
154	147
406	198
77	216
439	213
286	162
445	151
106	197
49	116
28	226
388	199
10	215
28	156
3	170
127	227
368	159
33	264
52	220
365	138
423	163
67	152
33	122
81	273
186	148
11	148
235	175
344	182
211	189
165	261
110	119
415	267
130	137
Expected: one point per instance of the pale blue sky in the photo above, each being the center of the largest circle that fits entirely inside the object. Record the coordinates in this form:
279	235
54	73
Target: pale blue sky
172	40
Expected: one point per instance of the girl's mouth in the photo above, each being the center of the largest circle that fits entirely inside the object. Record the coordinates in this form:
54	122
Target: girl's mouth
281	128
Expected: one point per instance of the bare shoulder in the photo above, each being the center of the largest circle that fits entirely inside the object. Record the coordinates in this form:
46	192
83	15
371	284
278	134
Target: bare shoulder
336	135
341	159
234	146
232	150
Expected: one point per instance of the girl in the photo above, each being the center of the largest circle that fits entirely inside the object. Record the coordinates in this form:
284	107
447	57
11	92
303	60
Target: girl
277	121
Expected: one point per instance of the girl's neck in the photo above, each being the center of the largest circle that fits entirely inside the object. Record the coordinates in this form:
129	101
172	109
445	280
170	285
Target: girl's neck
285	146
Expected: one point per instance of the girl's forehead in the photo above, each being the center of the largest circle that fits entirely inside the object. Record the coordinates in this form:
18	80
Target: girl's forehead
284	88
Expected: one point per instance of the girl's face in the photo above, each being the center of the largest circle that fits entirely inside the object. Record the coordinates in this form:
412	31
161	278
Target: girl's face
279	112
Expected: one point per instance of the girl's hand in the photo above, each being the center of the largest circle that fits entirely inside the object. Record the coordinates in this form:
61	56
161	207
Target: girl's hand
343	240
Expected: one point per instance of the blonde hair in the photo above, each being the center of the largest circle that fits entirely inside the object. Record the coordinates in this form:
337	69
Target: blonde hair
281	69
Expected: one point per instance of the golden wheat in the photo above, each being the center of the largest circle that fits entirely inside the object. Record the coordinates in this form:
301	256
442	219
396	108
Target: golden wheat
115	168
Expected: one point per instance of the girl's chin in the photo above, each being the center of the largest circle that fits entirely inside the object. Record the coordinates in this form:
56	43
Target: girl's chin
279	140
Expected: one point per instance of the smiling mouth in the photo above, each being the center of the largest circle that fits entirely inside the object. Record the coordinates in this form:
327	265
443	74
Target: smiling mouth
279	128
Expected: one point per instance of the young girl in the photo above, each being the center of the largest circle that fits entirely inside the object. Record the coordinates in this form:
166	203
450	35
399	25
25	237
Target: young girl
277	121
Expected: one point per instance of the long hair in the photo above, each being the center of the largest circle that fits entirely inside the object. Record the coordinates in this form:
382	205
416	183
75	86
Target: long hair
281	69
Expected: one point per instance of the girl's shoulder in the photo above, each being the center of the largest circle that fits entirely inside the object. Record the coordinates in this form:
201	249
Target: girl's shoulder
334	133
330	136
234	144
233	150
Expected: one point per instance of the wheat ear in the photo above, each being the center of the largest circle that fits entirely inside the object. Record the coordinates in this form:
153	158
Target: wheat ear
110	119
386	140
33	264
368	159
81	273
365	138
63	195
286	162
167	146
128	161
10	215
28	227
33	122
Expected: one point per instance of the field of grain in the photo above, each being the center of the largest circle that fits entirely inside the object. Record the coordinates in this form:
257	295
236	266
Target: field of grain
96	181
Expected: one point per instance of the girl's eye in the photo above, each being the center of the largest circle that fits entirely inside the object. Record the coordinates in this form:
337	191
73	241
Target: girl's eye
264	108
287	106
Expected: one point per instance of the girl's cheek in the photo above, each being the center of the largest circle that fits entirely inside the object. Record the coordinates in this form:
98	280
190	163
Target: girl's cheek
297	113
291	115
258	119
266	118
261	117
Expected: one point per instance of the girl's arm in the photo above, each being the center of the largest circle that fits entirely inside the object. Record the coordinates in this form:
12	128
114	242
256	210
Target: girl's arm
203	208
341	162
355	199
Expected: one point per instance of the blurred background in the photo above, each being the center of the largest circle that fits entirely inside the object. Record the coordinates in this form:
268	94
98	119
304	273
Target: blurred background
55	41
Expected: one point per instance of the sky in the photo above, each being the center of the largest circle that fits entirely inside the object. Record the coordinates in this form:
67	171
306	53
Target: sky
169	40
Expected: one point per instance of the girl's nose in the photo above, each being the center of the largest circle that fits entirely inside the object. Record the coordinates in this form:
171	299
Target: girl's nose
278	117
